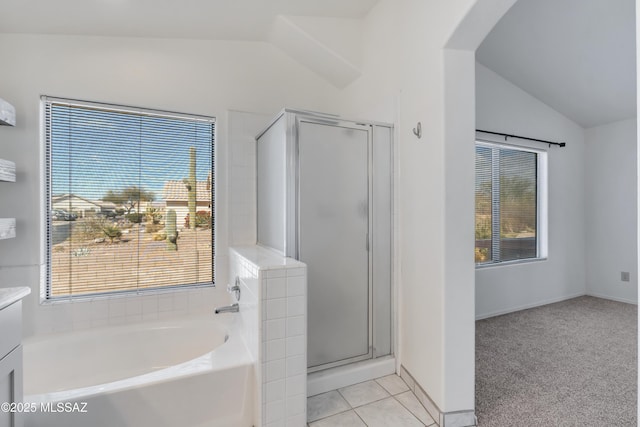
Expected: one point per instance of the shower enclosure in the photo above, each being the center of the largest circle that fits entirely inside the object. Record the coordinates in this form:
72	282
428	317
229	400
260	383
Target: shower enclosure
325	197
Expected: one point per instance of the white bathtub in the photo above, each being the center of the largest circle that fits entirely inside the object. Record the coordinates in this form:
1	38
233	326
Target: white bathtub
194	372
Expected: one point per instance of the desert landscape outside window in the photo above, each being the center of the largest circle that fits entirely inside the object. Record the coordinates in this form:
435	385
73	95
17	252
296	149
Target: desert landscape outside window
129	200
506	200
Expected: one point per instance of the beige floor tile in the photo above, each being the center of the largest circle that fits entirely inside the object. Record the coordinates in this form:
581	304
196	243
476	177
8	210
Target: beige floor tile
411	402
386	413
325	405
393	384
363	393
345	419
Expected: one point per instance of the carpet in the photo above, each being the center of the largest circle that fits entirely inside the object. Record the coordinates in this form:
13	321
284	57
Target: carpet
571	363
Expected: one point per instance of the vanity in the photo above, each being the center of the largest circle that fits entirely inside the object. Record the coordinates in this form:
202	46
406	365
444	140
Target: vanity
11	352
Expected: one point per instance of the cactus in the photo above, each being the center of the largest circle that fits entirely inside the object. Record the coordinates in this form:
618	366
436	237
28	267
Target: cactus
172	231
153	216
191	187
112	232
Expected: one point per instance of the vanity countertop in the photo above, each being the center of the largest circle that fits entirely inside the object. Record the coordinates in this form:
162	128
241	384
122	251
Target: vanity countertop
10	295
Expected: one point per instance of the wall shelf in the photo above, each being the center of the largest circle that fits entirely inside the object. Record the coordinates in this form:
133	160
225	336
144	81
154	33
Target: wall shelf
7	228
7	113
7	171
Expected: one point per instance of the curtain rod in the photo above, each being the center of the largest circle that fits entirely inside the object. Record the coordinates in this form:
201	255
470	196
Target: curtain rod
506	135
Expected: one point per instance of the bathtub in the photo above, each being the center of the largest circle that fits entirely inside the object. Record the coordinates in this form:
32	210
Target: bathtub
194	372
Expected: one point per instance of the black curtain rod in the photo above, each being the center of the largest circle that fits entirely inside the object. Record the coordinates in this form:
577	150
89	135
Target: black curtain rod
506	135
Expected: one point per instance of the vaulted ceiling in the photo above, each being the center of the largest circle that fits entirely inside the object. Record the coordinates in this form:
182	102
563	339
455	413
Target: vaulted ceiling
577	56
197	19
324	35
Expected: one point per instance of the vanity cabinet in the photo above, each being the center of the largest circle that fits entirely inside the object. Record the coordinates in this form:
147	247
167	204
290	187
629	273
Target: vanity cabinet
11	387
11	352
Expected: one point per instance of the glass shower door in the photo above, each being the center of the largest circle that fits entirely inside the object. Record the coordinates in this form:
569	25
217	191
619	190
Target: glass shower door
333	232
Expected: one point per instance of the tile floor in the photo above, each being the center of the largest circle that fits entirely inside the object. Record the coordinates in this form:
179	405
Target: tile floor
383	402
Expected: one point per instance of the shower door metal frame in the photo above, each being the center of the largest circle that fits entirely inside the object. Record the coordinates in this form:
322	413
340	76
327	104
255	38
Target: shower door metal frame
293	209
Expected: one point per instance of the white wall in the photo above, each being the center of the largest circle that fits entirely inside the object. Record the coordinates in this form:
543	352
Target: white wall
191	76
610	206
402	81
503	107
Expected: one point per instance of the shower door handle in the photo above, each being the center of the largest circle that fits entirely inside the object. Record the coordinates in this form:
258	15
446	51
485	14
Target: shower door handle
366	243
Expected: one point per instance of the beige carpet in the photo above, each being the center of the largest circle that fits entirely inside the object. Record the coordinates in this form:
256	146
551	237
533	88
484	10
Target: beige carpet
572	363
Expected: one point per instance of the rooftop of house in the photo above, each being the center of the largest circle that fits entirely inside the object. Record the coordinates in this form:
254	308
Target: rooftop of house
101	204
176	191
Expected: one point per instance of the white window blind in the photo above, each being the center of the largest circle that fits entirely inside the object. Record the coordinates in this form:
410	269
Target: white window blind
129	198
507	210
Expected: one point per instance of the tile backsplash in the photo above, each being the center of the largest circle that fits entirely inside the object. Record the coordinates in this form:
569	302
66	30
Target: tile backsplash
69	315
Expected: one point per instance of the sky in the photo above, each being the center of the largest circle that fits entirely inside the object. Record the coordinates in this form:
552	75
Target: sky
93	151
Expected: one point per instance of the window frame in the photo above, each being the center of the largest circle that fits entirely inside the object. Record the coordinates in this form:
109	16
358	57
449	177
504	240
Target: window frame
46	193
542	211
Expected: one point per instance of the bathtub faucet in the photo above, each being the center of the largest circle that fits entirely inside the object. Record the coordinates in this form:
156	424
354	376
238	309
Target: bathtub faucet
233	308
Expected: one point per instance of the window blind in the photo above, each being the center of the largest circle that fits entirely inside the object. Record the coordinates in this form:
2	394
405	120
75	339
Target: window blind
518	207
130	198
506	204
484	218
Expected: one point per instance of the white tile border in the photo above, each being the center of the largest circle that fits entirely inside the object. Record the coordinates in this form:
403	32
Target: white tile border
458	419
443	419
354	373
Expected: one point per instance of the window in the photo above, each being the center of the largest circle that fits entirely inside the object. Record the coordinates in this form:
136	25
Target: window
510	218
129	199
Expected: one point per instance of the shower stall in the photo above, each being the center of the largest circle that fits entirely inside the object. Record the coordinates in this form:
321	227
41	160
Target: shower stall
324	189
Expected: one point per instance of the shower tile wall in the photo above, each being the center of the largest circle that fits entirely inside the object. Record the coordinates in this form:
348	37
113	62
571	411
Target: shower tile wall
243	128
281	322
284	319
85	314
249	275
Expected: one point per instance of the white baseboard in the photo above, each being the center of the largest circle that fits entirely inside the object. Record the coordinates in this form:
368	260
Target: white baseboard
628	301
354	373
526	306
443	419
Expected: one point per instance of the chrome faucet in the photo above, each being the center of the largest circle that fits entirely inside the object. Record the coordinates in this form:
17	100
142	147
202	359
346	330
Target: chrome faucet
233	308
